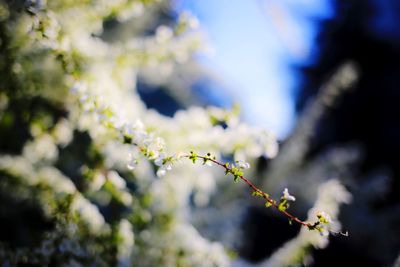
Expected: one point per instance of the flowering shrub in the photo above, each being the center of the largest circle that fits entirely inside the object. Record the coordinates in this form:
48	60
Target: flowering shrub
109	178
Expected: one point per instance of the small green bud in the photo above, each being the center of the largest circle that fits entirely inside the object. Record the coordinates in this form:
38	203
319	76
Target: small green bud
323	217
283	205
257	194
193	157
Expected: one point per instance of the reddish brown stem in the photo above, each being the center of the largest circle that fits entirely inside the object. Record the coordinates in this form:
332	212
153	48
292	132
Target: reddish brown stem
256	189
266	196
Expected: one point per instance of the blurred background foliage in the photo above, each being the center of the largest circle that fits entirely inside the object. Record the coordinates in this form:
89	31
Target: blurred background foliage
67	198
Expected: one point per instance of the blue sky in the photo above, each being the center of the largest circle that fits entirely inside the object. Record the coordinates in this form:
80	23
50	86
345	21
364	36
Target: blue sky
255	43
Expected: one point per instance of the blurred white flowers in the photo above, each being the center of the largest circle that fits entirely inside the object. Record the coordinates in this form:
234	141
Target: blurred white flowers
242	164
132	162
93	163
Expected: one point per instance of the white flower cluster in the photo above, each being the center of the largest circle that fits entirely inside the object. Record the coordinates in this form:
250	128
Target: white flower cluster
131	143
148	144
250	143
242	164
125	248
54	179
108	101
44	145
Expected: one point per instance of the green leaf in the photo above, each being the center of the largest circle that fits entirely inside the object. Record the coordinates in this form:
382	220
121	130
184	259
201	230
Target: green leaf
193	157
283	205
257	194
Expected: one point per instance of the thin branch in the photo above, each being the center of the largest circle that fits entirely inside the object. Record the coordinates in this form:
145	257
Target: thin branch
311	226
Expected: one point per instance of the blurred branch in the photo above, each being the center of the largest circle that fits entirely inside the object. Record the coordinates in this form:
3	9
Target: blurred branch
295	149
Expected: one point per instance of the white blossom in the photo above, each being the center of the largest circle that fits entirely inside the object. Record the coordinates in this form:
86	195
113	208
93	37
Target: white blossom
134	130
98	181
154	147
287	196
63	132
132	162
242	164
189	20
116	180
163	34
164	163
42	147
89	213
161	172
125	247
